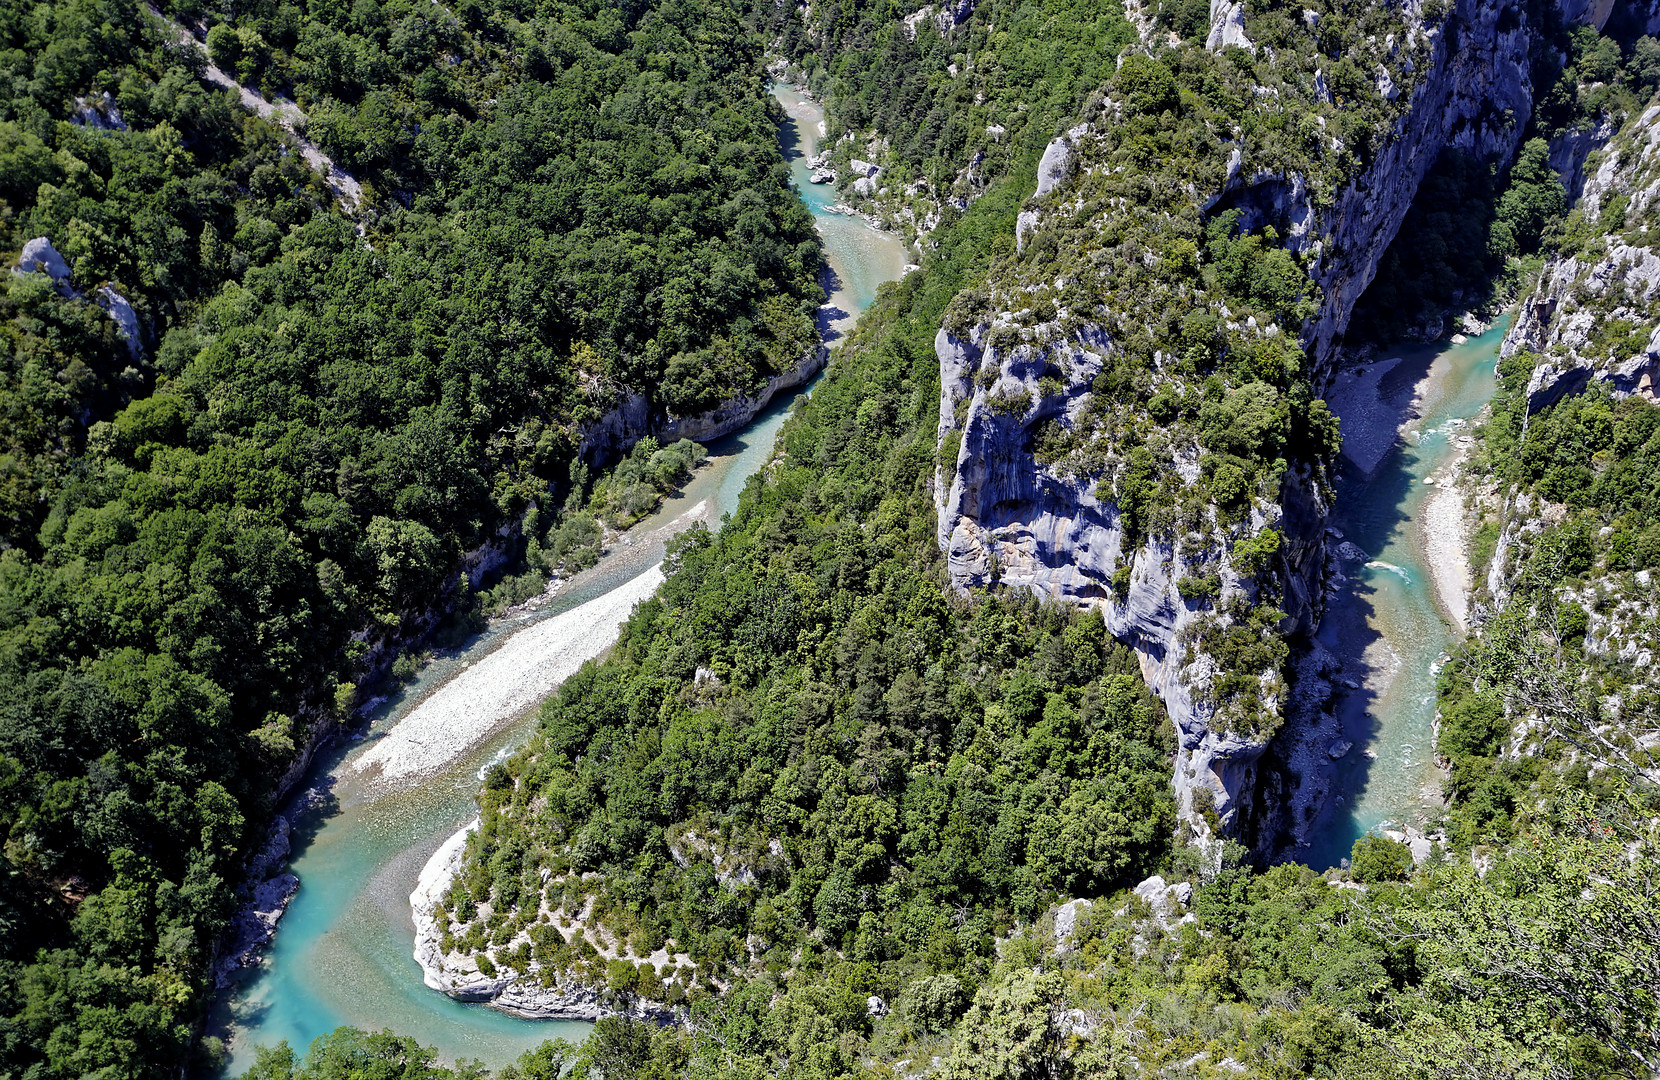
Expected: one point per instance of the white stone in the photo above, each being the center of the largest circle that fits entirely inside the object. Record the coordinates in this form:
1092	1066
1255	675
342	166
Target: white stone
40	255
125	319
1066	921
1227	26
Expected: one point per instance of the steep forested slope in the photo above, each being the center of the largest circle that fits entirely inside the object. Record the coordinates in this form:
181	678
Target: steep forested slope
951	97
1559	687
217	523
1135	337
803	762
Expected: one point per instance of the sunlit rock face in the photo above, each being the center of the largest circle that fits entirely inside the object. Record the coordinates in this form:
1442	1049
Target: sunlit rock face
1006	516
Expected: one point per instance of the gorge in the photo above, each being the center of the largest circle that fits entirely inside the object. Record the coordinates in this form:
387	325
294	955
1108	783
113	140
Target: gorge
361	840
1168	585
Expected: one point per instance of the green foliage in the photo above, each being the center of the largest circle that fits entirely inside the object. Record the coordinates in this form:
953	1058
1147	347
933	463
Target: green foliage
869	755
1549	961
1147	85
1600	455
200	545
638	483
1251	268
1377	859
1533	199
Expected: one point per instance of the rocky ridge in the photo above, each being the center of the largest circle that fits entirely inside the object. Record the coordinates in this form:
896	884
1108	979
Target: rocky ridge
1613	279
1589	325
1454	82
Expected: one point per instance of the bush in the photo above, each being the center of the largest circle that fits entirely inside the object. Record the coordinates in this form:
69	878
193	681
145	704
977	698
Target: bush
1376	859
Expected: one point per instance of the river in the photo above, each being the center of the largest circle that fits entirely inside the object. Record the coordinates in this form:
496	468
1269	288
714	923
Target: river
1389	625
343	953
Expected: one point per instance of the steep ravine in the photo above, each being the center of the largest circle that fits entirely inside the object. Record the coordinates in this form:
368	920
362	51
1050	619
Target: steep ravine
270	886
1003	513
344	955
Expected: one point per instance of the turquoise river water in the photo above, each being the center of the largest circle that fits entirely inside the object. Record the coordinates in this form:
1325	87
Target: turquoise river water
343	953
1388	622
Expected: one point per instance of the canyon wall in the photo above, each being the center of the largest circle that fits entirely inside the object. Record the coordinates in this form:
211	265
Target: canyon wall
1005	515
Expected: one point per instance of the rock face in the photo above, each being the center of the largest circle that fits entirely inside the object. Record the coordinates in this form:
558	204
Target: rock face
1053	167
40	256
1227	26
632	419
1478	77
1578	296
122	314
264	899
100	112
1004	515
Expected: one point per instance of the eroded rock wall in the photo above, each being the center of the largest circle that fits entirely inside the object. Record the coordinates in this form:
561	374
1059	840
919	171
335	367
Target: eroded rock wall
1004	517
1475	97
1606	281
1005	514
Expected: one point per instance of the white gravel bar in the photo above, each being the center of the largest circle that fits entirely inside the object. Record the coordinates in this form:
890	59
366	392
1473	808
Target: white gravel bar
529	666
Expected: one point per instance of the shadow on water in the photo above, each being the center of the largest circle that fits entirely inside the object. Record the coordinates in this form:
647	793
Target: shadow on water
1384	623
789	139
1371	515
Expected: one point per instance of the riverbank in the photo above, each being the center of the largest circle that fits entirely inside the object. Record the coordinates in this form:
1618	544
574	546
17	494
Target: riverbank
363	839
1398	596
535	992
1445	534
860	257
859	253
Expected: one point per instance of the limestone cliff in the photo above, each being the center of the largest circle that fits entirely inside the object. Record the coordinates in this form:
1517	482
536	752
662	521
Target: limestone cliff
1613	279
1590	323
1016	379
632	417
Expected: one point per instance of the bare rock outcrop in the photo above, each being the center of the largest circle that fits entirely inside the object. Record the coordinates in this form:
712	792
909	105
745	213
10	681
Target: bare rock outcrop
265	895
1006	515
39	256
632	418
1579	295
533	993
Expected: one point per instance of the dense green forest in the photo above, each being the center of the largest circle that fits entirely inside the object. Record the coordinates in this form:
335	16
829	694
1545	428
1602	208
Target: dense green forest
878	757
1025	70
1537	958
205	547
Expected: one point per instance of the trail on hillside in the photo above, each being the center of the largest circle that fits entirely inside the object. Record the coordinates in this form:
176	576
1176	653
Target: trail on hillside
281	112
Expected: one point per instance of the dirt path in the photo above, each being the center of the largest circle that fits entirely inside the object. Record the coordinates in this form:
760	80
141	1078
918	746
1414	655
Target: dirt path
283	113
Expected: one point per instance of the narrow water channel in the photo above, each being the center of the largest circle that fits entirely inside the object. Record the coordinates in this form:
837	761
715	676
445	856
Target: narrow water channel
1403	417
343	953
